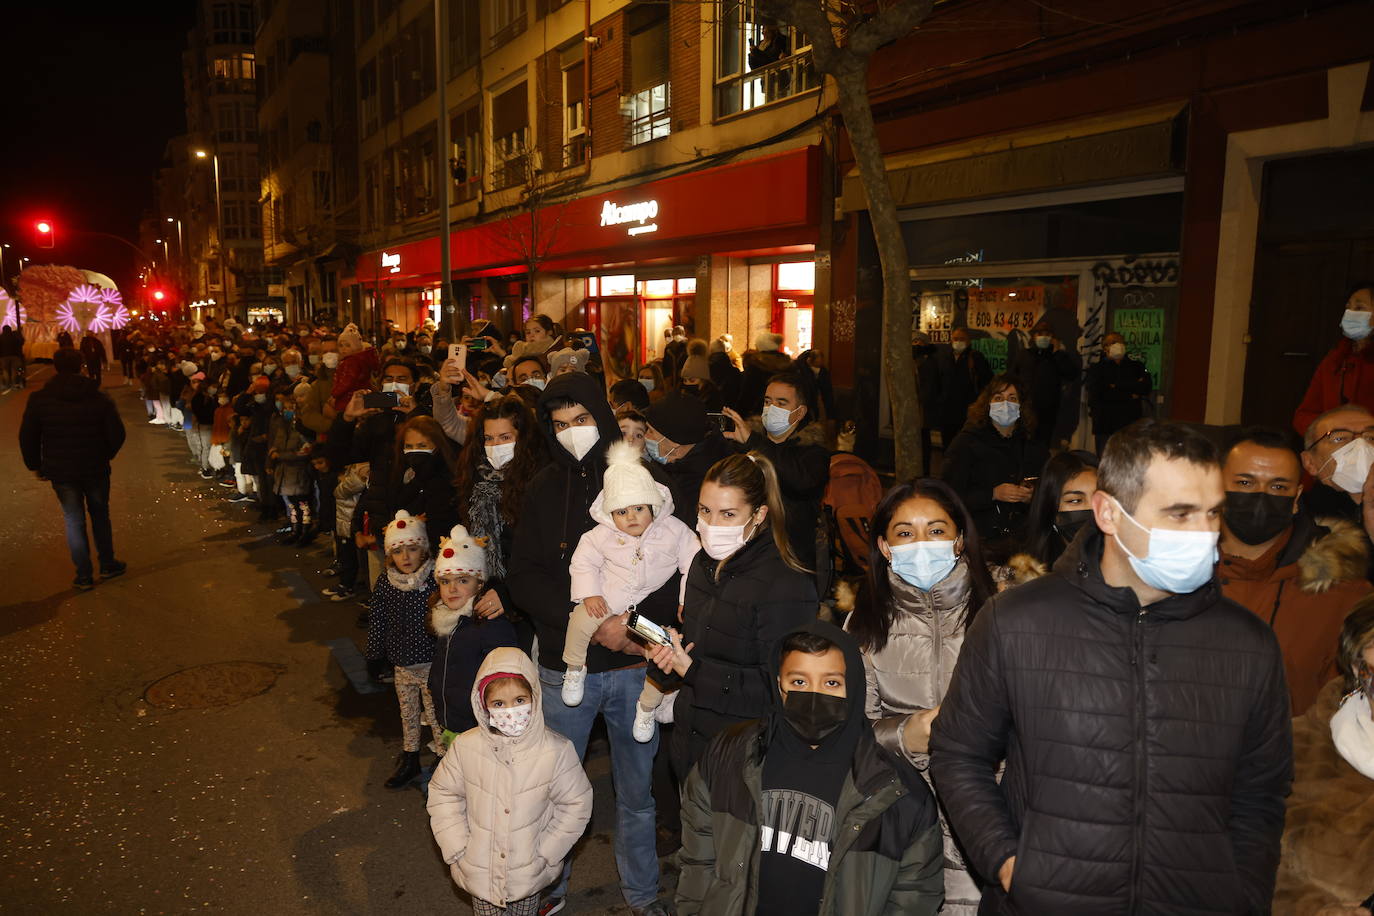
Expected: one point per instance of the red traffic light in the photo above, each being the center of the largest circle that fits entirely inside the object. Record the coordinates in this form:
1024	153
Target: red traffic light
44	230
44	226
159	295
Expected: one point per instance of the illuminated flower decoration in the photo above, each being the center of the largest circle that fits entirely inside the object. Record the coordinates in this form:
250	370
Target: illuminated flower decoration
114	307
82	310
11	312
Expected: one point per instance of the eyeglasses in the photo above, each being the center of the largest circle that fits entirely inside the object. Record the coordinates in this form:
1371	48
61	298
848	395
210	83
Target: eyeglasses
1339	437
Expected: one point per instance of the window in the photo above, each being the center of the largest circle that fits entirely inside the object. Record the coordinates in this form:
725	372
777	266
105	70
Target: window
367	91
507	20
543	7
367	19
386	81
415	60
465	159
576	149
236	67
758	63
510	134
231	24
646	107
464	37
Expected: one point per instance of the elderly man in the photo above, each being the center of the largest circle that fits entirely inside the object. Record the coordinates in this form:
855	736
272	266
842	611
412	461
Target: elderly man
1338	450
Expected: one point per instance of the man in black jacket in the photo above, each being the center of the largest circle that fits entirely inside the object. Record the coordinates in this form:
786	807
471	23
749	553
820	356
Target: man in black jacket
578	422
682	438
1143	717
70	433
1118	389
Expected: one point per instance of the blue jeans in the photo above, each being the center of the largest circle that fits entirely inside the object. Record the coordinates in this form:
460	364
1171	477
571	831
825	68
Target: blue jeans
78	497
614	694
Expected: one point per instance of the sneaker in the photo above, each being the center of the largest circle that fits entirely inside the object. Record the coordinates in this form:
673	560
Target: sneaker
337	592
664	714
205	474
228	484
114	571
643	729
551	905
657	908
83	583
574	684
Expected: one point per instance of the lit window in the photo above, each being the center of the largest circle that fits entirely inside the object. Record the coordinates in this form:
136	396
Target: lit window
619	285
656	289
648	114
687	285
800	276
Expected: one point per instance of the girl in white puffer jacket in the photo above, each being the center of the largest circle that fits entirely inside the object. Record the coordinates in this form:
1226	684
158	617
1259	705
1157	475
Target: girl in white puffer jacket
636	546
510	798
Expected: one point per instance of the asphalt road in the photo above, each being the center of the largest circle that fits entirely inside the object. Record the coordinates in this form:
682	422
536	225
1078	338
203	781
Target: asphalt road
119	796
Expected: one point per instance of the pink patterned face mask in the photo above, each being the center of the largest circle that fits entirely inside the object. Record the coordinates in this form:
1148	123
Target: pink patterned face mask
511	721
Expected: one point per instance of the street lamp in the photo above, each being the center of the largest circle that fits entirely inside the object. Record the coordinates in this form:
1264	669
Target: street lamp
219	223
3	246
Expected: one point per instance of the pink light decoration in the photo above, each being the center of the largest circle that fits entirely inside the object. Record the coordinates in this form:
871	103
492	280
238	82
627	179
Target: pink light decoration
114	305
11	312
67	319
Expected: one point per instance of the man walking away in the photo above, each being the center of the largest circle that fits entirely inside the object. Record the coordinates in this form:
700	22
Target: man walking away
70	433
1143	717
93	353
11	358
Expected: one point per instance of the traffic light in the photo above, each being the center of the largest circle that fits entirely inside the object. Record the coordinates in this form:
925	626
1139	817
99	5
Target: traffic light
159	295
43	232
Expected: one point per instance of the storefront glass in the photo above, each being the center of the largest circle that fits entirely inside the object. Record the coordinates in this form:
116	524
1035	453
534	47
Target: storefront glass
629	316
795	286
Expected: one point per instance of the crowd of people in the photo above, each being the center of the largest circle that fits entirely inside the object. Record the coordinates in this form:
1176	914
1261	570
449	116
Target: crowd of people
1058	681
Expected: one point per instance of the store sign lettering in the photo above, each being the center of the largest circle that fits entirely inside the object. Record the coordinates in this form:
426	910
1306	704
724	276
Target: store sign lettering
639	213
392	261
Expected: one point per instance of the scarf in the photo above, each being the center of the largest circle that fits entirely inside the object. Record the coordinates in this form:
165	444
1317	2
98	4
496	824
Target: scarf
1352	730
409	582
484	517
443	619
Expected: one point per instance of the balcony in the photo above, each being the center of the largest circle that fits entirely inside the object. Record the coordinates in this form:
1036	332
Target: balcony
776	82
577	151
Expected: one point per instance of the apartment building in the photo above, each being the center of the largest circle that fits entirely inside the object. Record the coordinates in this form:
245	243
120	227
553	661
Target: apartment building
619	166
220	221
308	153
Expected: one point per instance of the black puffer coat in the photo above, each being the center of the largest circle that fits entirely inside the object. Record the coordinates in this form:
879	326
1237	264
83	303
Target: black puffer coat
71	429
734	622
1147	754
978	460
554	517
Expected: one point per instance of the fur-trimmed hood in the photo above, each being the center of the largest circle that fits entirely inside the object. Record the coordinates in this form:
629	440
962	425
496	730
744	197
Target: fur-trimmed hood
1024	568
812	433
770	362
1339	555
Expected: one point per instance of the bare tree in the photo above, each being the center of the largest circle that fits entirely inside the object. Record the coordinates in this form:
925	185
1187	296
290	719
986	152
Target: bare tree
531	233
844	35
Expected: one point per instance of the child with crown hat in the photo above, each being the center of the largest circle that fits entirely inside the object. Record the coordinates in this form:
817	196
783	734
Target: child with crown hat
396	632
464	637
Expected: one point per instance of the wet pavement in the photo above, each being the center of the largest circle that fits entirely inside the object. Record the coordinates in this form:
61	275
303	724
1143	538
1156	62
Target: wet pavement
182	738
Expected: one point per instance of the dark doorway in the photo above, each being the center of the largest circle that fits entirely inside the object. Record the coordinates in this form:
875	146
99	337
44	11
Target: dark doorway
1316	240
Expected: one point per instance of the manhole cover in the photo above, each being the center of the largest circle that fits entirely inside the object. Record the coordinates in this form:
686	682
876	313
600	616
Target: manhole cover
218	684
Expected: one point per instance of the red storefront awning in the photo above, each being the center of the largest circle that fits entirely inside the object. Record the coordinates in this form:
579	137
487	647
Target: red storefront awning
768	202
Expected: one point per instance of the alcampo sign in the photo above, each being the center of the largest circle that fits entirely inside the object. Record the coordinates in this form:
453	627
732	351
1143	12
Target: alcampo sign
639	213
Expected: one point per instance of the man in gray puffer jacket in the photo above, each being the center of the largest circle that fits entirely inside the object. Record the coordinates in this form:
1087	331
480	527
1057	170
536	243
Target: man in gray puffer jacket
1143	717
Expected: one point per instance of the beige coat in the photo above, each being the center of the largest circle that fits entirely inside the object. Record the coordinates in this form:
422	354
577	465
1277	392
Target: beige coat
506	811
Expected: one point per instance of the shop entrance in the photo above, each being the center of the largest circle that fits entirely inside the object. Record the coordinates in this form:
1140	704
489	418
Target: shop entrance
629	315
1315	242
794	286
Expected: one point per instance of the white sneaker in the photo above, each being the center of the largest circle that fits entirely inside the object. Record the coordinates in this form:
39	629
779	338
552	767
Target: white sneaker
643	729
664	714
574	683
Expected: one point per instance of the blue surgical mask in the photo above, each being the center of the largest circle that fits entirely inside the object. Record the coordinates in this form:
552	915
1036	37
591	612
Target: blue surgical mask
1005	413
648	384
1355	325
499	379
651	448
536	382
923	564
1178	562
288	413
776	420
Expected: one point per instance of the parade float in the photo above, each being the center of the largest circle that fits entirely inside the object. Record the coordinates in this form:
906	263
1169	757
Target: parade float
53	300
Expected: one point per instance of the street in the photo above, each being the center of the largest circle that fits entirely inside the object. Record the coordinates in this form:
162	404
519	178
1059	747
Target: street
183	738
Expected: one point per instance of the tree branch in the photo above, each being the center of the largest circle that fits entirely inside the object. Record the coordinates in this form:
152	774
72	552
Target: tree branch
889	25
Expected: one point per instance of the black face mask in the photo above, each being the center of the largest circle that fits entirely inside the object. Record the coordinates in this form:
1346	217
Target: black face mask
416	459
814	715
1069	523
1257	517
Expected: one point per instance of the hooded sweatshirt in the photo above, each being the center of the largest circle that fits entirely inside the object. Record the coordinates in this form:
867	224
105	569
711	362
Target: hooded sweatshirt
555	515
506	811
71	429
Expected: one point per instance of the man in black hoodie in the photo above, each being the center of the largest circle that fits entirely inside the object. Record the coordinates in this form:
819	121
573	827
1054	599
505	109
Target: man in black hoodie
802	812
70	432
580	426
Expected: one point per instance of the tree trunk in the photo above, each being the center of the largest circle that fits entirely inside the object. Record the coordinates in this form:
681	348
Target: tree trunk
900	368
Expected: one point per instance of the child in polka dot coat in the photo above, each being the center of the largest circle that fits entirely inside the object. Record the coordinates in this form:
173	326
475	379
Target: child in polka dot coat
396	632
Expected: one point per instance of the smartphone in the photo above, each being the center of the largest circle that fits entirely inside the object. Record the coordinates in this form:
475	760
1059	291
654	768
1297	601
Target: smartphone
647	630
476	343
723	421
381	400
1029	481
460	353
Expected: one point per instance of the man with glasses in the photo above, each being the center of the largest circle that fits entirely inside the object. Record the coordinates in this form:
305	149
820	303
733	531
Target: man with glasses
1339	451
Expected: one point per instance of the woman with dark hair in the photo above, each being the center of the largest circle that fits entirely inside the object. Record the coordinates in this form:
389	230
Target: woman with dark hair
745	591
502	455
994	462
422	476
1058	510
926	582
1328	833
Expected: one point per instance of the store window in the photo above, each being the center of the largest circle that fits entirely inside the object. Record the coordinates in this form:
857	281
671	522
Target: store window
757	61
646	106
794	286
630	314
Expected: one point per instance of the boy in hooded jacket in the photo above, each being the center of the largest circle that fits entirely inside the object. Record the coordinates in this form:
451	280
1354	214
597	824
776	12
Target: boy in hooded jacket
636	546
510	797
802	812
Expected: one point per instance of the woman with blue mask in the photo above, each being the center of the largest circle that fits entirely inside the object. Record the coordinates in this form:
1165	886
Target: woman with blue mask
1346	374
926	581
994	462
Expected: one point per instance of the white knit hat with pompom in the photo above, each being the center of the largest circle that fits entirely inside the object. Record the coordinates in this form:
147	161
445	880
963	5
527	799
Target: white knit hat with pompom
460	554
627	481
405	529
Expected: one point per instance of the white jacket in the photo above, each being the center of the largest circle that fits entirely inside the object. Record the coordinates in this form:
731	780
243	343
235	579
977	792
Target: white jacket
507	811
625	570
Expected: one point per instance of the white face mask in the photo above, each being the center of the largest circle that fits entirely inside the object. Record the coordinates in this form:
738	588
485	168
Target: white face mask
721	541
314	359
511	721
1352	465
330	360
1005	413
398	387
260	399
1178	562
959	346
293	370
536	382
1042	341
426	350
776	420
498	456
578	440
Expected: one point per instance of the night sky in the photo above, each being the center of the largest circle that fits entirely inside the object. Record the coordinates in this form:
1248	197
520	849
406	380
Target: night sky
90	101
